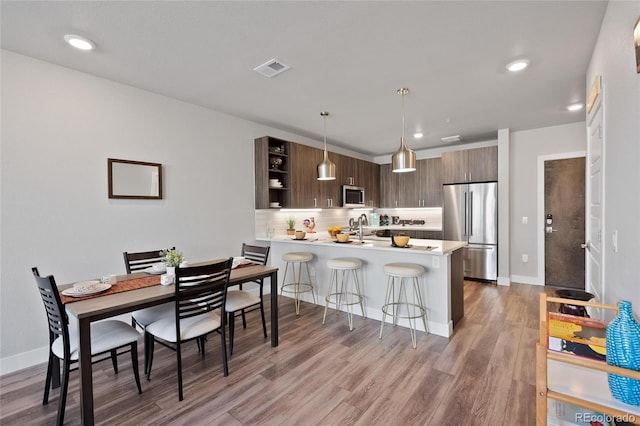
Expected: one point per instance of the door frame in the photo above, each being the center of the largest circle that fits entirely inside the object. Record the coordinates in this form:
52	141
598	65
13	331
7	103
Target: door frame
540	221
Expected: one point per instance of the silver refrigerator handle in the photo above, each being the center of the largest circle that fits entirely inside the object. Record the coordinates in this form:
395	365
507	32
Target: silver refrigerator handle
470	213
465	213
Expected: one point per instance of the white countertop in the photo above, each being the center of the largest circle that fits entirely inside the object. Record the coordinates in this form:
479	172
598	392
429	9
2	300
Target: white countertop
432	247
406	228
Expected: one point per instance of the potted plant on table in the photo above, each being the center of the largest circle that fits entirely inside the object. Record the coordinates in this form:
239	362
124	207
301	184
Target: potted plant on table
172	258
291	225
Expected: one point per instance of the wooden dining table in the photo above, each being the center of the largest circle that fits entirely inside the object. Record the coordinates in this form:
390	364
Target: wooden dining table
98	308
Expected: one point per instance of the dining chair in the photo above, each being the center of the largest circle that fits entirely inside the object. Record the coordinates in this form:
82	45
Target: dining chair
137	262
106	337
200	296
246	301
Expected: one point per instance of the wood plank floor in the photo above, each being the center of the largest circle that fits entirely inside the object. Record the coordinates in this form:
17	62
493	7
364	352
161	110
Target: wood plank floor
323	375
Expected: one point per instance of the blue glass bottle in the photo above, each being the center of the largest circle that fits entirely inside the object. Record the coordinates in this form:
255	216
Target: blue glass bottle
623	350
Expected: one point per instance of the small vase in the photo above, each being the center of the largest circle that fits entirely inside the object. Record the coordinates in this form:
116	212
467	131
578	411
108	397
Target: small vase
171	270
623	350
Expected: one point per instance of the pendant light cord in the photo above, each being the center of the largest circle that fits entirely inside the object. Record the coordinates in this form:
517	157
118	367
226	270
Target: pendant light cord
403	117
324	115
324	122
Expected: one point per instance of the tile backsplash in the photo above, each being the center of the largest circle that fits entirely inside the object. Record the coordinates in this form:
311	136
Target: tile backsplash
276	219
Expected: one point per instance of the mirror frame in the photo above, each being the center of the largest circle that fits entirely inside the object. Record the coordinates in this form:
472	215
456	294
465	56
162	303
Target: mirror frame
110	177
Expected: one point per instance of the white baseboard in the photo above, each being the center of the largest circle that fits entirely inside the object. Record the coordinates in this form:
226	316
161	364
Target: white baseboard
24	360
440	329
504	281
523	279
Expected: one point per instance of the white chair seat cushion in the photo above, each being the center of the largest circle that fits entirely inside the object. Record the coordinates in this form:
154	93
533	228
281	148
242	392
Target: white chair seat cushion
344	263
297	257
148	315
105	335
240	299
403	269
191	327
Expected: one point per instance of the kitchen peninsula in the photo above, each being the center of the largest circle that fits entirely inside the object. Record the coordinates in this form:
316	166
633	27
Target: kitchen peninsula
442	284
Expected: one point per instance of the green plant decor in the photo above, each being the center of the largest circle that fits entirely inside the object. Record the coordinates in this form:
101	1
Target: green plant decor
172	257
291	222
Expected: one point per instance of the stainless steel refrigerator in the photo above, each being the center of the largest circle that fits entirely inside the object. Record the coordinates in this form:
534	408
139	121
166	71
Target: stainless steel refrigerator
470	213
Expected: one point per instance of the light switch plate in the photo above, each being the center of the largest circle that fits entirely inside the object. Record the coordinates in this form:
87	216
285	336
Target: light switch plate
435	261
525	220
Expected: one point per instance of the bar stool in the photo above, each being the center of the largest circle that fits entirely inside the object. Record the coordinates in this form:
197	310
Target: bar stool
296	287
399	303
348	293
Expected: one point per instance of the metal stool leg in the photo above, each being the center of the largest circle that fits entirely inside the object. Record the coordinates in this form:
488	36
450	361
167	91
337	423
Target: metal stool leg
297	284
387	303
313	292
333	282
359	293
423	310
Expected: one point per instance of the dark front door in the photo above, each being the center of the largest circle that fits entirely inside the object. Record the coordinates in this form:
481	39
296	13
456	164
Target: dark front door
564	203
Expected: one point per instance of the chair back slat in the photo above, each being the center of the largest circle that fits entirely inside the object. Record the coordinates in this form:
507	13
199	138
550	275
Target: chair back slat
134	262
257	254
200	289
56	315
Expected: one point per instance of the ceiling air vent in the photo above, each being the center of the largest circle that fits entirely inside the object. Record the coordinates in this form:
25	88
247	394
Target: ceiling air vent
271	68
455	138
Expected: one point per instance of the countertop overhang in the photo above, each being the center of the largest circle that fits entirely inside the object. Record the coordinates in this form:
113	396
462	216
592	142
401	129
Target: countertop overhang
431	247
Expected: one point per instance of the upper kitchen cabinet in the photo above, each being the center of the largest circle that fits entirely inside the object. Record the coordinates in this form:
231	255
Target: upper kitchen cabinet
388	187
422	188
429	187
471	165
272	178
295	166
368	176
360	173
306	189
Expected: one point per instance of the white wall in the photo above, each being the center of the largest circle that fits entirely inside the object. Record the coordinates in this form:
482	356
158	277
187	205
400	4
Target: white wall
526	147
59	127
614	59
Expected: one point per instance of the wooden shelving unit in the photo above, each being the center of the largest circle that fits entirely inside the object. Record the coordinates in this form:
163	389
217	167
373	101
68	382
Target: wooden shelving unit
269	150
576	380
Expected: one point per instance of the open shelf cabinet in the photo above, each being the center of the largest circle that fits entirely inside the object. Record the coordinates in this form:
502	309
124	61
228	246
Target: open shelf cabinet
575	380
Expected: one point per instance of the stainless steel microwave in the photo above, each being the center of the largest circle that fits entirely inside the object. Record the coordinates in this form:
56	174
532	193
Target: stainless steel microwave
352	196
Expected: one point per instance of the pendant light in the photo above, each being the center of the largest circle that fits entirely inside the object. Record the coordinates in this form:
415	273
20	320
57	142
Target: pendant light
404	160
326	169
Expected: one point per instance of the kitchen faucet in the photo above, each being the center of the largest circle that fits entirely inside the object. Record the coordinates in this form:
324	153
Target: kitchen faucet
362	221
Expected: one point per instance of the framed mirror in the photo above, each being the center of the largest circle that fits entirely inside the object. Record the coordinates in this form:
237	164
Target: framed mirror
134	179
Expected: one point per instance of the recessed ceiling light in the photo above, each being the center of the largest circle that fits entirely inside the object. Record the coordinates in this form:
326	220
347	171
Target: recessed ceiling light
518	65
575	107
79	42
418	135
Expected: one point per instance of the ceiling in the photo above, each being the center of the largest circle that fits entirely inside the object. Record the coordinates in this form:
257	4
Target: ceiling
348	58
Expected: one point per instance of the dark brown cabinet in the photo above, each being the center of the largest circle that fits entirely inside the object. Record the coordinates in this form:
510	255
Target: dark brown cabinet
422	188
470	165
306	189
272	161
388	187
368	176
295	165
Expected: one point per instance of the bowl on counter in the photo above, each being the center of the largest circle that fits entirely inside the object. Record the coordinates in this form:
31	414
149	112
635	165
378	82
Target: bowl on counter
342	237
274	204
400	240
300	235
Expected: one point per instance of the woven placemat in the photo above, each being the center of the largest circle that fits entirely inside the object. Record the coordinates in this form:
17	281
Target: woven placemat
119	287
